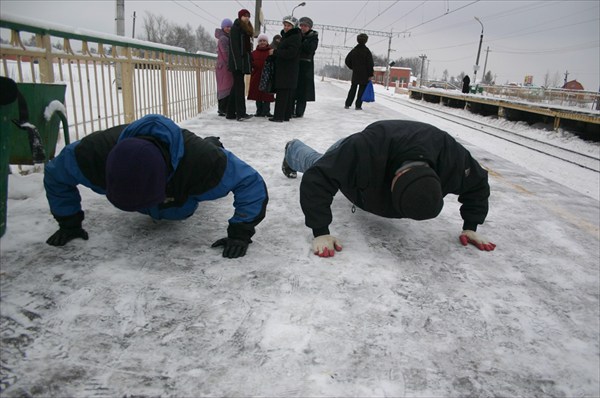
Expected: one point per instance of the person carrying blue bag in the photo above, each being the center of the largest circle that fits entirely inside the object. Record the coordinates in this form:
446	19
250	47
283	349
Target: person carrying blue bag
360	60
154	167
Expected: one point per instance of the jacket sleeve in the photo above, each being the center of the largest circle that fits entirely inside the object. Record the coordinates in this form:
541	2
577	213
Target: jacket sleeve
290	50
61	177
249	193
474	196
348	60
321	182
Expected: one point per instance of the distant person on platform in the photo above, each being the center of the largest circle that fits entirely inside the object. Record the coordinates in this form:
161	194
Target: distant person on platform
154	167
466	84
305	91
287	66
360	61
224	76
240	64
394	169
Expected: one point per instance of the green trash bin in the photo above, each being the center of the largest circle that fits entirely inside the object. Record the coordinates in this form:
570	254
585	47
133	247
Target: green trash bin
8	95
37	96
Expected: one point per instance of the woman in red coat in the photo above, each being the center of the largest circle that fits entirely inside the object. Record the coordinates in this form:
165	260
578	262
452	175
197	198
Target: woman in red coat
263	100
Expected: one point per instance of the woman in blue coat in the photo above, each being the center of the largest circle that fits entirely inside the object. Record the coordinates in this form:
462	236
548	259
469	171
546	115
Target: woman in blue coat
154	167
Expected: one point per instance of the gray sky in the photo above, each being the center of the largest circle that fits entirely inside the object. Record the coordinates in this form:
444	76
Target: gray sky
524	37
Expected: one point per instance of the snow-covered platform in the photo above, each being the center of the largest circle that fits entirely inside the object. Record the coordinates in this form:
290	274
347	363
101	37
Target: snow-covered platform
149	309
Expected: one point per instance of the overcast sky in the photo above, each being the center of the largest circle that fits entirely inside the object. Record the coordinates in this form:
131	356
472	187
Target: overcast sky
524	37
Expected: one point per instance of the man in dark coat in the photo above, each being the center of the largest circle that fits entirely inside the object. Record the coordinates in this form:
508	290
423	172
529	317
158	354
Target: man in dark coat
466	84
360	60
394	169
287	59
154	167
240	64
306	78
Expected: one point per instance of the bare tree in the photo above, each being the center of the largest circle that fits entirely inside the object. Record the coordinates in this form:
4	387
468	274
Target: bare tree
156	28
204	41
488	78
445	75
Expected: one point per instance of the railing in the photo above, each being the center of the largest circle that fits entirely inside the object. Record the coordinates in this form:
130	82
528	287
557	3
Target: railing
110	79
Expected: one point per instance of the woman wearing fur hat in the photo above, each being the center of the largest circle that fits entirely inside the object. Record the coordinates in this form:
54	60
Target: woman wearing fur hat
306	78
360	60
224	76
287	58
394	169
240	64
263	100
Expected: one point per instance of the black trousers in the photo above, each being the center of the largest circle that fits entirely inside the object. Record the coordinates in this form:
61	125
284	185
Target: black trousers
236	106
223	105
300	107
284	103
352	93
263	108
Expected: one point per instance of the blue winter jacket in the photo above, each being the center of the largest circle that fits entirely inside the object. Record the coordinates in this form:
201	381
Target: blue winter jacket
201	169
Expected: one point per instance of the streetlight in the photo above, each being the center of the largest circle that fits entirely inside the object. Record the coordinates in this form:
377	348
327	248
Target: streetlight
478	52
299	5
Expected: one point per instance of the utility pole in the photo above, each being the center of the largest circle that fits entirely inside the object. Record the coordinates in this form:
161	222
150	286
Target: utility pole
387	64
257	17
423	58
485	63
120	27
133	32
566	76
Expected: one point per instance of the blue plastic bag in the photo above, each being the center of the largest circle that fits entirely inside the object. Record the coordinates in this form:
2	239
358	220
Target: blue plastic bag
369	94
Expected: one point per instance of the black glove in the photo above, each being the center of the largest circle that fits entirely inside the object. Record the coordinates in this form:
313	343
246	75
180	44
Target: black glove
233	248
70	228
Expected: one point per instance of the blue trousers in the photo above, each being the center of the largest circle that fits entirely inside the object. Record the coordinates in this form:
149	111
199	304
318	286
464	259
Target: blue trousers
300	157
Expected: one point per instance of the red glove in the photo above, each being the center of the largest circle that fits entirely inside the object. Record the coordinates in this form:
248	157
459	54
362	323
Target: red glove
326	245
468	236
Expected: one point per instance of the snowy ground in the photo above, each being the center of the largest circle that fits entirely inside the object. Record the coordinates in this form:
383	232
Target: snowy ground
149	309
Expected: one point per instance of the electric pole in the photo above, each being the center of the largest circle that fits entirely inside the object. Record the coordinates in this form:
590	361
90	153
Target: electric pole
120	26
257	17
423	58
133	32
485	63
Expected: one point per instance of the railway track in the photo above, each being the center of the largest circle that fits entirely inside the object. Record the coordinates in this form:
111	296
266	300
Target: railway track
580	159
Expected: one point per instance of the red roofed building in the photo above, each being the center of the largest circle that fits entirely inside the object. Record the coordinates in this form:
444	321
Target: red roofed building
573	85
400	74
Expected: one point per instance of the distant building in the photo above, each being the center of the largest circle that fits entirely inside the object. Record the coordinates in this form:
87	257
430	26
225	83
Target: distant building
400	74
573	85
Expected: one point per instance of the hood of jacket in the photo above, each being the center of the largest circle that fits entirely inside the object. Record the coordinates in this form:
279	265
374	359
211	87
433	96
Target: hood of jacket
162	129
220	33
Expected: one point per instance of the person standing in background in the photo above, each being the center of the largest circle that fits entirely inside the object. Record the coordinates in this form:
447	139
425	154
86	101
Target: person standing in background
224	76
360	61
263	100
305	91
287	59
239	64
275	42
466	84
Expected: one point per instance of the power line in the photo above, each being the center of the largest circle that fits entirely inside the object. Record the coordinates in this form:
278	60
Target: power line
359	11
378	15
192	11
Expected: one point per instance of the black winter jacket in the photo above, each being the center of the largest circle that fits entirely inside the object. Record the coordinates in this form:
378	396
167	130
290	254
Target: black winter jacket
287	56
306	78
363	165
360	60
239	49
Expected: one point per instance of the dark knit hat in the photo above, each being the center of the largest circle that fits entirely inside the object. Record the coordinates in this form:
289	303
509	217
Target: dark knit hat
306	21
243	12
417	194
136	175
362	38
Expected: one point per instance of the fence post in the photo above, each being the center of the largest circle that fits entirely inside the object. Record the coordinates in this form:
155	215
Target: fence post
163	84
46	62
127	85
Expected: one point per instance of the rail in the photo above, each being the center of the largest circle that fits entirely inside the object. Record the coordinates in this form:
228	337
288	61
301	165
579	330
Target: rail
110	79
